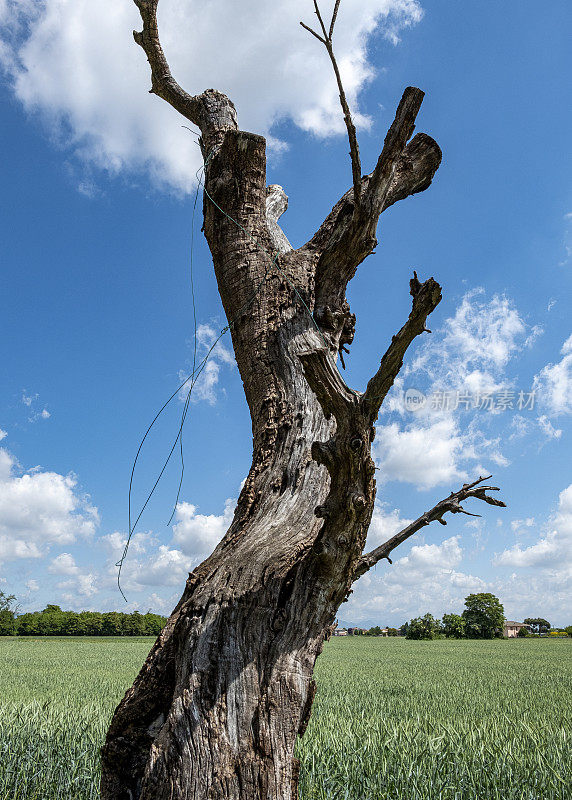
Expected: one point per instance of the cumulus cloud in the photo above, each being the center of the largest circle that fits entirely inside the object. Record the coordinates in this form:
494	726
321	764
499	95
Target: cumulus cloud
467	357
434	451
194	537
553	386
163	567
198	534
81	585
427	579
115	543
384	525
473	348
426	456
64	564
39	509
75	62
552	553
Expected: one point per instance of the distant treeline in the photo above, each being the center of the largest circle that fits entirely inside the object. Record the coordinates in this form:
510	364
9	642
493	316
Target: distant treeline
52	621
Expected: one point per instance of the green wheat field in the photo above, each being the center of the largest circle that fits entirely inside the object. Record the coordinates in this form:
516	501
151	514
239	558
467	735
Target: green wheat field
393	719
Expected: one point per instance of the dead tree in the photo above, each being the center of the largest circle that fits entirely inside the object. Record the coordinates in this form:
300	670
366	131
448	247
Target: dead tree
227	688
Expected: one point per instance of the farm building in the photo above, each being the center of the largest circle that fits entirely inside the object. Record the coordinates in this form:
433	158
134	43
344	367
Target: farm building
511	628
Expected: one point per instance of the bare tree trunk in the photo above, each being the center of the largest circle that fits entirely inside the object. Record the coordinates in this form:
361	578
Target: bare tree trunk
226	690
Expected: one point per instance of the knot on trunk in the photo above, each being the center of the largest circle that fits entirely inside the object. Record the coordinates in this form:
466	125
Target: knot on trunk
339	323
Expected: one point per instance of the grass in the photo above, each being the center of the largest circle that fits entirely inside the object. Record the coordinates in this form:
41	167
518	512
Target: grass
454	720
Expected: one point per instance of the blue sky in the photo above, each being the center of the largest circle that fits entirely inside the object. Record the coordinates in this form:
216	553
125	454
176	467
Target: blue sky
96	219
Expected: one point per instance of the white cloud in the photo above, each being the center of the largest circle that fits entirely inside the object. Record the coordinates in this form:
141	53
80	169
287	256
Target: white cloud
115	543
64	564
384	525
474	347
217	355
554	385
75	62
548	428
165	567
30	400
32	585
198	534
426	456
427	579
79	586
517	525
162	605
552	552
469	355
194	537
39	509
434	452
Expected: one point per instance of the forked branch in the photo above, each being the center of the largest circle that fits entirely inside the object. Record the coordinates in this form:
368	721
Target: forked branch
426	297
394	144
326	40
348	234
451	504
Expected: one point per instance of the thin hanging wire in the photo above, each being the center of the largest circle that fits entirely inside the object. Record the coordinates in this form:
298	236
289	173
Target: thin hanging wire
193	377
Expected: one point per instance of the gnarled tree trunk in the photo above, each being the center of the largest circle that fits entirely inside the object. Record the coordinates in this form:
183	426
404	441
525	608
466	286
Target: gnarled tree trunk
227	688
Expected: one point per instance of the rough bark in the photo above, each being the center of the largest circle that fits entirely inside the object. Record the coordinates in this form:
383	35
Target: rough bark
227	688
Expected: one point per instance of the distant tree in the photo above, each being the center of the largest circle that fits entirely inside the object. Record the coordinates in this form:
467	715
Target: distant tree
483	616
523	633
7	614
569	630
375	631
426	627
52	621
392	632
453	626
50	609
538	624
403	629
7	601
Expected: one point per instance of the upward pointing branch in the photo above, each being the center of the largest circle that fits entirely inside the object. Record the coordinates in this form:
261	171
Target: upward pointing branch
326	40
426	297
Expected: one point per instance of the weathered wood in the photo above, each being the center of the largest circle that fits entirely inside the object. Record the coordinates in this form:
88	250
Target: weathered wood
226	690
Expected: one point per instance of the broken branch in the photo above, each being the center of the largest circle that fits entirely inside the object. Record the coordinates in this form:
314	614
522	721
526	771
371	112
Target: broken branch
396	139
451	504
426	297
